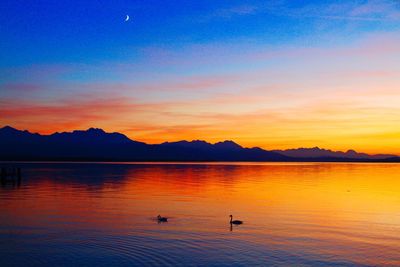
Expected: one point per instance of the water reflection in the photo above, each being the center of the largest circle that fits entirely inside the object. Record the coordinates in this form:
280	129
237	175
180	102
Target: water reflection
103	214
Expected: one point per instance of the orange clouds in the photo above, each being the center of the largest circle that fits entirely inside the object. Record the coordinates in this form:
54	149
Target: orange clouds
333	122
68	114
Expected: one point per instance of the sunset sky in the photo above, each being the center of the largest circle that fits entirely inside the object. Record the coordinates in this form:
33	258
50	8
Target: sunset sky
274	74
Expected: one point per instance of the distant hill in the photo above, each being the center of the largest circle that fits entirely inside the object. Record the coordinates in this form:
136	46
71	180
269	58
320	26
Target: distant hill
316	152
97	145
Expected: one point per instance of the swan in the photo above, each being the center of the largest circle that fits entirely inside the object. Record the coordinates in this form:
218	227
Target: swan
235	221
162	219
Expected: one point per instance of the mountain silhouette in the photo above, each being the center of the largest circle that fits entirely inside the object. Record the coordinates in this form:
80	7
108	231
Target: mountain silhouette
97	145
316	152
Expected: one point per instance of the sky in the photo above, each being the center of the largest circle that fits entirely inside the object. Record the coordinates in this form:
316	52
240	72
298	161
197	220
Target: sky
273	74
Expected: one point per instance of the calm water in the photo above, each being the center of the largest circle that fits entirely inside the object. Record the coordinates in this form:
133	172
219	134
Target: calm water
294	214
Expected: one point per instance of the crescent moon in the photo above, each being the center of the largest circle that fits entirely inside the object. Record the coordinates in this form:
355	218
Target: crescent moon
127	18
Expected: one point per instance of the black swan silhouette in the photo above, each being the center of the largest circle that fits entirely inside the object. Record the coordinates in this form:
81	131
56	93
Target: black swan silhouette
162	219
235	221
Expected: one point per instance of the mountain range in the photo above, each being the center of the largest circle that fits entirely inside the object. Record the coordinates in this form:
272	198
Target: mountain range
97	145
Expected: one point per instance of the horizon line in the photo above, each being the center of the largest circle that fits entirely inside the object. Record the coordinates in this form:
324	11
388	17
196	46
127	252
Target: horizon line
199	140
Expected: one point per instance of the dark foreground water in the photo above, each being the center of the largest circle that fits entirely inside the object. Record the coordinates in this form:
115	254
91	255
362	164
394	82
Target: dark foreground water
294	215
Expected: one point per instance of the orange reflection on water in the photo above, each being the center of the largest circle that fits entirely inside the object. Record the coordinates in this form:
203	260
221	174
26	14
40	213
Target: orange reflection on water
318	210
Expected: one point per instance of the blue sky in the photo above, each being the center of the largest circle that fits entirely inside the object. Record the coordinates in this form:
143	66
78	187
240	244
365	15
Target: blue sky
196	69
92	31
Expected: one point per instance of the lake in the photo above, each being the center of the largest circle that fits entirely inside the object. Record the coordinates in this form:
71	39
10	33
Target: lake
295	214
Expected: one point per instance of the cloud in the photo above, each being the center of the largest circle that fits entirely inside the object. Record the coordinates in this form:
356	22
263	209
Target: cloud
355	10
192	83
69	114
371	10
19	88
230	12
382	9
237	10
